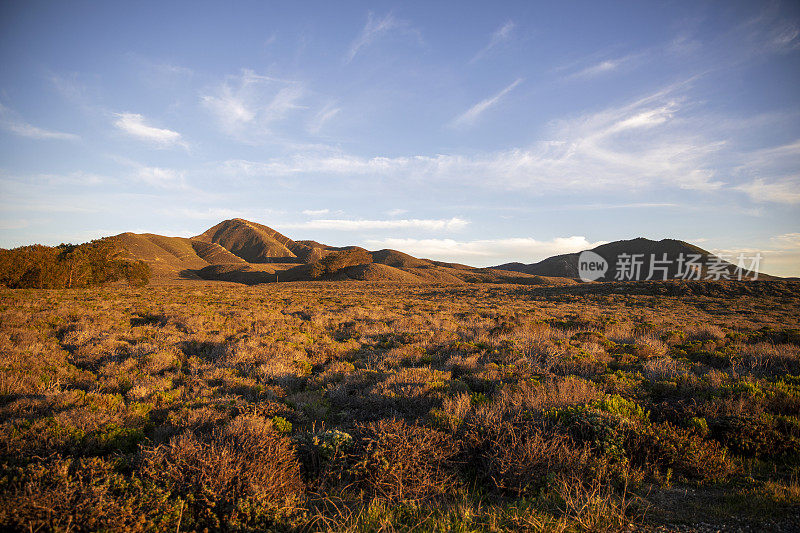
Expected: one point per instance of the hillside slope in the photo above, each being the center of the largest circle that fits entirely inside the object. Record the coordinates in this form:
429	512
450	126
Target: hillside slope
168	257
255	243
651	255
247	252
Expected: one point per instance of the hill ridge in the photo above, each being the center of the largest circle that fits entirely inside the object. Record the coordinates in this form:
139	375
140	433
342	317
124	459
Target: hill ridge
249	252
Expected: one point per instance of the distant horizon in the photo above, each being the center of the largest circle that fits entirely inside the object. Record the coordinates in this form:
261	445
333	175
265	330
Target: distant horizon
474	134
445	258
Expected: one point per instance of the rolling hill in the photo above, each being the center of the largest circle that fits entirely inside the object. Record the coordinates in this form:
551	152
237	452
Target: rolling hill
667	258
241	251
246	252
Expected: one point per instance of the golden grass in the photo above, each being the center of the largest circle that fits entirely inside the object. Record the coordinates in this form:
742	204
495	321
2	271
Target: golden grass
346	406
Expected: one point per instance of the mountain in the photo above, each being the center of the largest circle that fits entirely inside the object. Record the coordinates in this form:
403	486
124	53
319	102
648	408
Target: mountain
242	251
256	243
635	259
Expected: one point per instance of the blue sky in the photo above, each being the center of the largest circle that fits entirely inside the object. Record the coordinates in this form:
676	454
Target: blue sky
472	132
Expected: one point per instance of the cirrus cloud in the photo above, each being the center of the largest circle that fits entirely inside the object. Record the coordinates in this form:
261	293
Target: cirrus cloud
134	125
452	224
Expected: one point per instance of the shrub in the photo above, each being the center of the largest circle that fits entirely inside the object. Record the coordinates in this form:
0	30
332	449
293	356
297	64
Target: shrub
58	494
519	458
665	446
759	436
281	425
699	425
244	476
617	405
395	461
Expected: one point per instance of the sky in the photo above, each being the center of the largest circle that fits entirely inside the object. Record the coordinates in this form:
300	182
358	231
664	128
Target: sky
473	132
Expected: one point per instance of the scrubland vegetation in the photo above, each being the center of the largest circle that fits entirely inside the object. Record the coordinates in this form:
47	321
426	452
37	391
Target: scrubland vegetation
69	266
366	407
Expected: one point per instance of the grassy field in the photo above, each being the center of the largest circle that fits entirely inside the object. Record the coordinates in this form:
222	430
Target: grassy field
369	407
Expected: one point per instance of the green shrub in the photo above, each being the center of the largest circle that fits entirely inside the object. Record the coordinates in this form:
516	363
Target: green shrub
665	446
281	425
699	425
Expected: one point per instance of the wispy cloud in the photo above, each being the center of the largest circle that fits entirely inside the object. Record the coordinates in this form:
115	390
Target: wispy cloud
134	125
771	31
374	29
603	67
316	212
161	178
471	115
246	106
783	192
14	124
780	255
487	252
322	117
649	142
786	241
773	174
499	36
452	224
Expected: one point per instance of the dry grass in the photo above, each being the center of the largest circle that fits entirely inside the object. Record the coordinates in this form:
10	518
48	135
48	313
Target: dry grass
363	407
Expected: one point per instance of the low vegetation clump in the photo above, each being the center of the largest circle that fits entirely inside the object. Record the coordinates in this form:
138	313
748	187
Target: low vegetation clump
332	406
334	262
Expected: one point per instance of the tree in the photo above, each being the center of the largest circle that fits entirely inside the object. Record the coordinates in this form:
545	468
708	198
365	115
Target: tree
136	273
336	261
69	266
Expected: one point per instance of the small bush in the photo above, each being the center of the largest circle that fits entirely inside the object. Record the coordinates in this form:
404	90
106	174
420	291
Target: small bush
395	461
281	425
244	476
58	494
519	458
665	446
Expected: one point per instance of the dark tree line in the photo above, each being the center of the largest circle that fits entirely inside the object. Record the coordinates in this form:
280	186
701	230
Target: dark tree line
69	266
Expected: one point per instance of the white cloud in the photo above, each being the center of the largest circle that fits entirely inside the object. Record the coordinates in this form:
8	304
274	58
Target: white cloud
471	115
783	192
452	224
374	29
500	35
321	118
316	212
603	67
162	178
19	127
649	142
787	241
780	255
246	106
27	130
487	252
134	124
771	31
772	174
396	212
